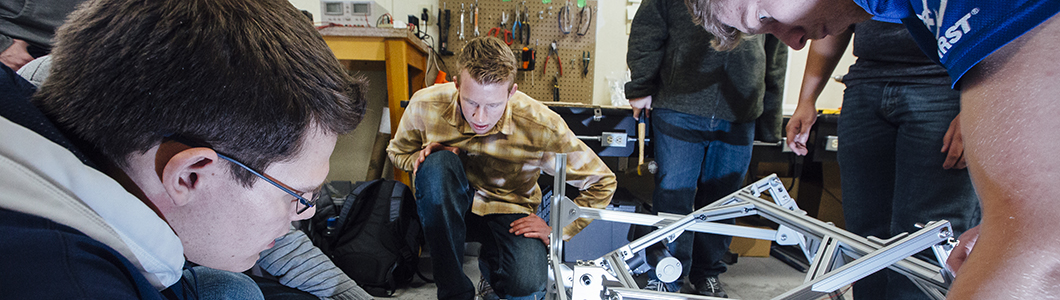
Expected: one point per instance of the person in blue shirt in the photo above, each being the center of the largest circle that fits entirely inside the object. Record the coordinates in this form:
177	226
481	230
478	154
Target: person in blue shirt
1002	55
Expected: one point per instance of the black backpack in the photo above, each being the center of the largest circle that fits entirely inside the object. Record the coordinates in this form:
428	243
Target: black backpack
370	230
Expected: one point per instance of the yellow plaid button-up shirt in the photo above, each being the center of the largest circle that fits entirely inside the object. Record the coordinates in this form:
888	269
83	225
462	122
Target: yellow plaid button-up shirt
503	165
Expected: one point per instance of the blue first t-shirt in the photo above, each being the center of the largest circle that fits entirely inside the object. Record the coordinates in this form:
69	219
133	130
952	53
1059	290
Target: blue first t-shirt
960	33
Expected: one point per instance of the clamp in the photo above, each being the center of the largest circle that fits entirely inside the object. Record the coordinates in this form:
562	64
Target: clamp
552	51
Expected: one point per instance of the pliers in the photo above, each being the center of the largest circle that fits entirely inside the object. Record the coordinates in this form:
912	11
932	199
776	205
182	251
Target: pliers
520	26
552	51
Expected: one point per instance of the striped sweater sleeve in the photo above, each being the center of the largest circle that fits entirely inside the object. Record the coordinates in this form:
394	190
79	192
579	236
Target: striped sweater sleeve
299	264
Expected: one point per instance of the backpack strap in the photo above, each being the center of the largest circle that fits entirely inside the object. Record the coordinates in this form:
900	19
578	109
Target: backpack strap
352	199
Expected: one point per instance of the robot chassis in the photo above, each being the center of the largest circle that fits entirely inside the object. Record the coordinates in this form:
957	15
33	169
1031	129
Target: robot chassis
837	257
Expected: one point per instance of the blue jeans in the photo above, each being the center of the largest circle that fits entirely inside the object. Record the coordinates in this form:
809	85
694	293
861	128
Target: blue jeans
216	284
891	170
518	265
700	159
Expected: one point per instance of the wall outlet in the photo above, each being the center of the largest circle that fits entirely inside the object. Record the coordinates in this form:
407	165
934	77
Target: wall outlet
431	14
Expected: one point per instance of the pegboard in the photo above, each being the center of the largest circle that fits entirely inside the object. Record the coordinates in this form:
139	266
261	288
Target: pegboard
573	85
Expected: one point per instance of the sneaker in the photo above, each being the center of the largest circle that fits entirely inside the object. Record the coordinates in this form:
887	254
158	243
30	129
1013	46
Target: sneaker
711	287
485	291
659	286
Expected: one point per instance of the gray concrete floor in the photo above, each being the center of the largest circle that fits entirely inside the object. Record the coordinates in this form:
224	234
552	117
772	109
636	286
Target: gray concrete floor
750	278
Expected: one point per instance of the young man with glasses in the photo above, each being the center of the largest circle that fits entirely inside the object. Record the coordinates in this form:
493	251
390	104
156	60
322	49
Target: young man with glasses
477	147
1001	54
169	132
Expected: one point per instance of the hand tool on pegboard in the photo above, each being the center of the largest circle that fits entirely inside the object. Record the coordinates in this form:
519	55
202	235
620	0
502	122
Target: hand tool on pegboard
521	26
476	18
529	57
555	89
462	12
585	63
443	31
552	51
502	31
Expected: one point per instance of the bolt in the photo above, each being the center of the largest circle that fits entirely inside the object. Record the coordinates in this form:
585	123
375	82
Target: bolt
783	237
586	280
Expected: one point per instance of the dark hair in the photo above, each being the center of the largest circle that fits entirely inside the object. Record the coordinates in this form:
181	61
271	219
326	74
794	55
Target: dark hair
703	14
488	60
248	77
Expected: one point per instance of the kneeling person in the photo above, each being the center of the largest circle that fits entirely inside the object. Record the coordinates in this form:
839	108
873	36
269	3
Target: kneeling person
477	147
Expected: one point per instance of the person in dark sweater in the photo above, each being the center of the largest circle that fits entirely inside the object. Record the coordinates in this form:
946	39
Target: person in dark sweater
704	105
898	112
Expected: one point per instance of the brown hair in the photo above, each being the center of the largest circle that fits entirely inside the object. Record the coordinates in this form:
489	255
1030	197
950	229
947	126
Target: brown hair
488	60
725	37
247	77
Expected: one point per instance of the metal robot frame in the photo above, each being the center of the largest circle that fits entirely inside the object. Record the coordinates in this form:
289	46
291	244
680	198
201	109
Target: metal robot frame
837	257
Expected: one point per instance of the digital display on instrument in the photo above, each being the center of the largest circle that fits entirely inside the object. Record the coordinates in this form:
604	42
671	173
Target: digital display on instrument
361	8
333	8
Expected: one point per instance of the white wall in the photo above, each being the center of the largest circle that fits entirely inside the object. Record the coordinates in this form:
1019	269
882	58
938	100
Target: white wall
831	97
611	45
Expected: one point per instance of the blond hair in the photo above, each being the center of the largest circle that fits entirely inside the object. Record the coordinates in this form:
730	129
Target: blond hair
488	60
725	37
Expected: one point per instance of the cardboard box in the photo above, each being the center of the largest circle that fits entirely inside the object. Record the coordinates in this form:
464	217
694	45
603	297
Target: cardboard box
746	247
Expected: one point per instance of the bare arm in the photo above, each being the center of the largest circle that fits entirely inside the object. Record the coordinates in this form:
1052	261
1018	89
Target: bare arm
823	56
1009	118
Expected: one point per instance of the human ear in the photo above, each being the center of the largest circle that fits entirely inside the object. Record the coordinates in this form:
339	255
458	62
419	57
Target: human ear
511	92
183	174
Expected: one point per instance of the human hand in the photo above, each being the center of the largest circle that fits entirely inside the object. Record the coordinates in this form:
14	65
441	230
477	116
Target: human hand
798	130
639	104
953	145
960	253
532	226
16	55
431	148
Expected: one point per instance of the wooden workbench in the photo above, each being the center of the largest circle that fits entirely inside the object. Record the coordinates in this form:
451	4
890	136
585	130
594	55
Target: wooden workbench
403	55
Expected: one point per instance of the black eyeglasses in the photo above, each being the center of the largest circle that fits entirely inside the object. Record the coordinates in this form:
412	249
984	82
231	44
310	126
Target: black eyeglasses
305	203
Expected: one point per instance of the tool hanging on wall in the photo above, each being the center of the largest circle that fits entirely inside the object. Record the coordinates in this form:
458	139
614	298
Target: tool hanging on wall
552	51
555	89
579	87
564	19
585	20
502	32
443	31
585	63
529	57
476	18
462	11
521	25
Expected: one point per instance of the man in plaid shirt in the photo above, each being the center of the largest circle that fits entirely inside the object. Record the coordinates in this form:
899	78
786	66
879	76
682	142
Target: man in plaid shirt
477	147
